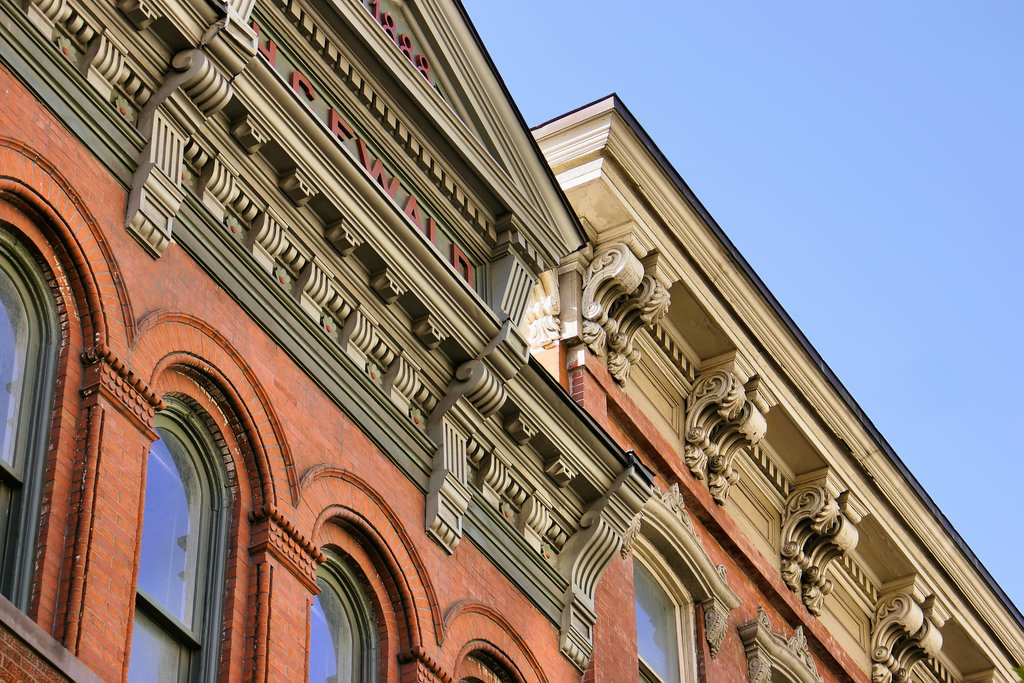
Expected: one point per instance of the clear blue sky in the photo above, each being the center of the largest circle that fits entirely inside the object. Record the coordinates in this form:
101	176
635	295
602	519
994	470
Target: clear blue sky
866	158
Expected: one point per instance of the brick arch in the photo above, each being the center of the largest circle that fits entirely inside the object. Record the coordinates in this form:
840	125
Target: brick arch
171	341
217	421
332	495
32	185
474	629
377	585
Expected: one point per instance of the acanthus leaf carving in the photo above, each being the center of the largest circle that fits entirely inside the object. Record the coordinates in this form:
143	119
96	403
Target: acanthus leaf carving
615	272
541	321
769	652
619	298
816	532
723	416
905	631
645	307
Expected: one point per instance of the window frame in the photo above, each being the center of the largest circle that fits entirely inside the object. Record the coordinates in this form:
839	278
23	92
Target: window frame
684	612
30	439
345	583
182	422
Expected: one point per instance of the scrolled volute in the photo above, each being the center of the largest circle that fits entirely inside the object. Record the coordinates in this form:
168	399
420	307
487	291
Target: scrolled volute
723	416
816	532
905	632
615	272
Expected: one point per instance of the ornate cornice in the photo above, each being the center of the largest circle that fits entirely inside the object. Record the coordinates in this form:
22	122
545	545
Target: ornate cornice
816	532
905	631
723	416
774	657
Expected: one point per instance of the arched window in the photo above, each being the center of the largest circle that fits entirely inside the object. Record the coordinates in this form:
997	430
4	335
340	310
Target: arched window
28	340
178	596
342	631
664	630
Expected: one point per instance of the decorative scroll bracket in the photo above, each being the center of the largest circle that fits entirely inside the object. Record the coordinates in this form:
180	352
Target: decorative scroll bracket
589	551
723	416
905	631
819	528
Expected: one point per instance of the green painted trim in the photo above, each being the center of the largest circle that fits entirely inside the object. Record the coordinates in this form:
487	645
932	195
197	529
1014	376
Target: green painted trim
228	263
280	316
69	97
499	541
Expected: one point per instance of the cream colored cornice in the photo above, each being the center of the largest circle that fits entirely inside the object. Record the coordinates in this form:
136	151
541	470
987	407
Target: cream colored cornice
598	144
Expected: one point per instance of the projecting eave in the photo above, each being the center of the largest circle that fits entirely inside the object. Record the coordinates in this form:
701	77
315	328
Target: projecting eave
625	191
467	117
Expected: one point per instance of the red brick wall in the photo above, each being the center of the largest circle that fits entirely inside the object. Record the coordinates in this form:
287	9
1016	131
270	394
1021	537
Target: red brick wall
163	326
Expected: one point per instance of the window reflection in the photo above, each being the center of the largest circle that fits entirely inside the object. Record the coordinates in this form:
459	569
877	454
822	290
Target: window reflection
13	349
342	633
657	634
169	558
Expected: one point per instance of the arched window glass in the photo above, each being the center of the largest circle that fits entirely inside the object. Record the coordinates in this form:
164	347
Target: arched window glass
27	358
342	636
180	563
657	629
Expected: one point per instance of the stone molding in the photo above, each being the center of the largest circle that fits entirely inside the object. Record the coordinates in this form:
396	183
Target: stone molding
819	528
618	299
723	416
905	631
667	528
774	658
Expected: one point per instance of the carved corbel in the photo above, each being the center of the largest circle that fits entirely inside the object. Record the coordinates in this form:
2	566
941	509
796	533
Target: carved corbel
774	657
905	631
588	552
615	272
540	321
819	528
156	191
645	307
723	416
514	266
448	493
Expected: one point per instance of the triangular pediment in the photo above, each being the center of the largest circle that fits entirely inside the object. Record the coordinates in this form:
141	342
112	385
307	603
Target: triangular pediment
420	70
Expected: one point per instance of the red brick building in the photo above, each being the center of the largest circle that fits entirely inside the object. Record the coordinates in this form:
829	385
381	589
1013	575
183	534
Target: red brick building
316	365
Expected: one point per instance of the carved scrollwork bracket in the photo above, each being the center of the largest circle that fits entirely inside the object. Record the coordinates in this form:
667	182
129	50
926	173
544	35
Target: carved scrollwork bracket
723	416
819	528
774	657
905	632
589	551
541	323
619	298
